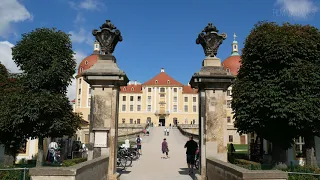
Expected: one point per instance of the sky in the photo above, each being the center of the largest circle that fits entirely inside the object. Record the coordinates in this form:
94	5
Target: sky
156	33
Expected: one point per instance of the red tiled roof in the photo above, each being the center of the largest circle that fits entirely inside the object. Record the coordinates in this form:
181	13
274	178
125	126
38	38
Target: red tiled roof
162	79
233	63
189	90
132	88
73	101
87	62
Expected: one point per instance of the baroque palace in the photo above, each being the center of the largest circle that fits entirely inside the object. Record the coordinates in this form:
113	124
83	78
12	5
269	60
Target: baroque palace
162	100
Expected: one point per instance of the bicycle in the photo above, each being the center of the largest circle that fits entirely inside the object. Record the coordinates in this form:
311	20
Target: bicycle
121	162
123	152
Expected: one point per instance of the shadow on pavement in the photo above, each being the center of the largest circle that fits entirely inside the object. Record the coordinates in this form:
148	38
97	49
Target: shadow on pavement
185	171
121	171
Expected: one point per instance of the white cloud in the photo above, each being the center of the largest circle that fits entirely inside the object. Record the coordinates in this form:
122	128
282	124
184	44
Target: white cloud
296	8
79	19
81	37
86	4
79	56
11	11
6	57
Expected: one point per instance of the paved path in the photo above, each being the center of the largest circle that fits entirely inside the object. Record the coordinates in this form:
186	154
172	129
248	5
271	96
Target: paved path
150	166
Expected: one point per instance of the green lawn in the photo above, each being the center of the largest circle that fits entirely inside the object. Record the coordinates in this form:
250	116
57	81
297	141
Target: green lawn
240	148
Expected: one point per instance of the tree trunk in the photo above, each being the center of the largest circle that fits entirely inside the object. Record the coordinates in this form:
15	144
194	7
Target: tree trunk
311	159
279	155
40	152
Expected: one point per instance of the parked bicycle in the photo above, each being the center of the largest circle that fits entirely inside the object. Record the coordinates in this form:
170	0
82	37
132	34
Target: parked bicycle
121	162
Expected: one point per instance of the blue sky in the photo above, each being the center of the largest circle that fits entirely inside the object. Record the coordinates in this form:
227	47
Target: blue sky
155	33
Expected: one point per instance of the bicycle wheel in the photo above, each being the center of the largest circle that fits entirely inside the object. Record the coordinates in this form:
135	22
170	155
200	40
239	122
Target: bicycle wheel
196	164
129	161
122	162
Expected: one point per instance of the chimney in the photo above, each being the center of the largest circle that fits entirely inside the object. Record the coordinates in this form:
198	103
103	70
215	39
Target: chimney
162	70
188	84
135	82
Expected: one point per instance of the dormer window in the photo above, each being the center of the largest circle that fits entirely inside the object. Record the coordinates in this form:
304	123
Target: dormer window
86	62
132	89
124	89
81	69
168	82
228	70
156	81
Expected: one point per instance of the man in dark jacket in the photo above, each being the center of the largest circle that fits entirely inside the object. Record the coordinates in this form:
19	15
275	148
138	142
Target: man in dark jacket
192	147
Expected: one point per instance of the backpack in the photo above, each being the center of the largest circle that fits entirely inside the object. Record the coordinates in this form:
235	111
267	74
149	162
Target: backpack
138	140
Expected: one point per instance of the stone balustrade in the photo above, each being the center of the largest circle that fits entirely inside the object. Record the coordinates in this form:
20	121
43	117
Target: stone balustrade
188	132
217	169
94	169
187	126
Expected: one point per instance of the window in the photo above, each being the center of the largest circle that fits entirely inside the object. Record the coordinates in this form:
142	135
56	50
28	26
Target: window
156	81
131	107
79	91
149	89
80	80
300	147
89	101
124	98
131	98
131	121
185	108
162	95
149	98
132	89
229	119
175	99
123	107
124	89
138	121
79	102
149	108
162	90
90	90
168	82
194	108
139	108
86	138
228	93
81	69
175	109
86	62
228	70
194	99
123	120
228	103
175	89
230	138
185	99
139	98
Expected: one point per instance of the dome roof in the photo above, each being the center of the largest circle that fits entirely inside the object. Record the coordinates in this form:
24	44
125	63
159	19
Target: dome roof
232	64
87	62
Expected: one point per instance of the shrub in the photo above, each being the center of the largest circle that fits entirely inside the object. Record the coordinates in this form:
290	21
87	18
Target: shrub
12	174
247	164
72	162
302	169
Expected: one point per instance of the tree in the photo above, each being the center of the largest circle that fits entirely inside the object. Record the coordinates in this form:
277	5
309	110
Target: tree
11	126
276	92
46	58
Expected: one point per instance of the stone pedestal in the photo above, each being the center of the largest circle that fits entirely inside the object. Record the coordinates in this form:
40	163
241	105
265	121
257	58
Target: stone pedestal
105	79
212	82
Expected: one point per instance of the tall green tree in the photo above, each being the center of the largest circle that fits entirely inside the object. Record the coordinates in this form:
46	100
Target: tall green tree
11	126
46	58
277	91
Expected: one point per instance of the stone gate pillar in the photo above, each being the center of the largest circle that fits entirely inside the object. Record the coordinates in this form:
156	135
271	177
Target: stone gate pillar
212	82
105	79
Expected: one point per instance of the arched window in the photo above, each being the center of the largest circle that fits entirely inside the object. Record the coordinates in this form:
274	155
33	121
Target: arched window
124	89
86	62
132	89
228	70
81	69
156	81
168	82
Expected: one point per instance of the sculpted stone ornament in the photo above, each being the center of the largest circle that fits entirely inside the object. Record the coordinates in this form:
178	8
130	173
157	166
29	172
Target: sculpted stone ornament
210	40
108	36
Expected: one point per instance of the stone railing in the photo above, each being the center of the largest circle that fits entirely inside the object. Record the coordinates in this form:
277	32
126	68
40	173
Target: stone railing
187	126
186	133
134	126
94	169
135	129
217	169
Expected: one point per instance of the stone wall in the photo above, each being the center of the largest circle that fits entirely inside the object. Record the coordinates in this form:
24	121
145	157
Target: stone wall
94	169
217	169
129	129
188	132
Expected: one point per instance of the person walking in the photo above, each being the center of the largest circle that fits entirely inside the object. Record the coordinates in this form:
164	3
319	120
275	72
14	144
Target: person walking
168	131
138	141
165	149
192	147
165	131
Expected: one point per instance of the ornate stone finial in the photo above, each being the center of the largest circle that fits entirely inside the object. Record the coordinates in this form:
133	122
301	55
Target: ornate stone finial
108	36
210	40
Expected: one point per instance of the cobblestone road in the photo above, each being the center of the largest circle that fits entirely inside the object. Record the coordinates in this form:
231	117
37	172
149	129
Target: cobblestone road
150	166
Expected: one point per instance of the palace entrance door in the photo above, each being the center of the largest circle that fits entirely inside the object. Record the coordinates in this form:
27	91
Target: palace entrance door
162	121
